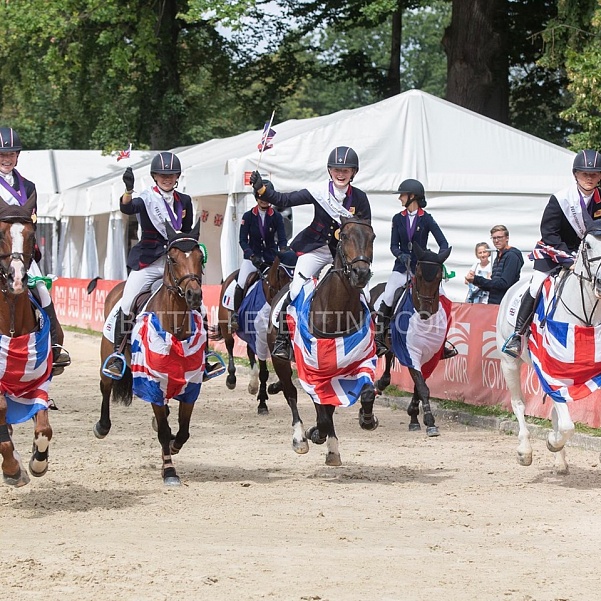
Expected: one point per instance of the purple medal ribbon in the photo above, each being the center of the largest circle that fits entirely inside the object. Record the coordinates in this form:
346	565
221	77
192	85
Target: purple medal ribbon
411	227
262	223
19	195
176	220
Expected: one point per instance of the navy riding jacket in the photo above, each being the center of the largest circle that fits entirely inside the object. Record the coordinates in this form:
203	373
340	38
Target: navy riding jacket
262	244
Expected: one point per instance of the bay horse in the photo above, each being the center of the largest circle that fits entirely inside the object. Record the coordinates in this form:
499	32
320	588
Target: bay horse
331	320
418	332
575	303
272	280
25	347
171	314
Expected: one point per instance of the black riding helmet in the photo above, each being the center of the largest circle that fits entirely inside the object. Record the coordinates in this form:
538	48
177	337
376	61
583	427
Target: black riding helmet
412	186
9	140
165	163
343	156
587	160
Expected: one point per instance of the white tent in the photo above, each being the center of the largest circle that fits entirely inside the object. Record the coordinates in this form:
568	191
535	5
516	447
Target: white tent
477	173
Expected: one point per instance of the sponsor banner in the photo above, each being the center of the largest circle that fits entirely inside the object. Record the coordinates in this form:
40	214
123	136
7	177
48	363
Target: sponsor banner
474	376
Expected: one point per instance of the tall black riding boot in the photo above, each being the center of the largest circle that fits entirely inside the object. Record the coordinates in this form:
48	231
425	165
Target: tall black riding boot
382	322
238	294
123	327
282	348
60	356
513	345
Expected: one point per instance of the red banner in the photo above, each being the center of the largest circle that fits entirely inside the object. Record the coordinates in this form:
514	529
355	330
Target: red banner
474	376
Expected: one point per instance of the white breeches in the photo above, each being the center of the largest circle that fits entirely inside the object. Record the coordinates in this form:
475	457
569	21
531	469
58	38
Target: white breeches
138	281
307	266
395	281
246	268
538	277
42	291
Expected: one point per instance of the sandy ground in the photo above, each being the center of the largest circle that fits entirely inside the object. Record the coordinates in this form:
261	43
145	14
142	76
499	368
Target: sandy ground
405	518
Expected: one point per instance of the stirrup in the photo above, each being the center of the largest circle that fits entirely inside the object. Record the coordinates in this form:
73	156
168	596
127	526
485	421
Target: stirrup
106	368
63	359
381	347
212	370
513	346
282	348
449	351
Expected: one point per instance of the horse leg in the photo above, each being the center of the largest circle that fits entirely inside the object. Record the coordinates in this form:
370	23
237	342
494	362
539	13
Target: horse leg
384	380
262	397
230	381
563	429
12	469
422	390
367	419
253	385
325	426
413	412
170	477
38	464
183	432
283	369
275	388
103	426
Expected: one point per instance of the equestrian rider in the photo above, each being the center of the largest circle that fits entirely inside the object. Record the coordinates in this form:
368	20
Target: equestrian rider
411	225
259	229
154	206
15	190
316	244
562	229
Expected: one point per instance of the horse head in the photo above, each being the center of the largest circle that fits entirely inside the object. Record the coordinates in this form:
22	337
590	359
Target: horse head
427	278
355	251
17	244
280	273
185	264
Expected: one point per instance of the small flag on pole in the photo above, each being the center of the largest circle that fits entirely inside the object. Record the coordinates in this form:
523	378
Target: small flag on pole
267	137
124	154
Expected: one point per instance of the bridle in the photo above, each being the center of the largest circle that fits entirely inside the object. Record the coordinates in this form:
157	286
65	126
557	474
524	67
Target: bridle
176	286
346	264
423	298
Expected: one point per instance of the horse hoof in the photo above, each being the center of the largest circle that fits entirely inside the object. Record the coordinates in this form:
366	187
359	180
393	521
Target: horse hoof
414	427
99	431
432	431
368	423
552	448
33	472
274	388
173	448
19	479
230	382
39	467
300	448
333	460
253	389
172	481
262	410
155	425
525	460
313	435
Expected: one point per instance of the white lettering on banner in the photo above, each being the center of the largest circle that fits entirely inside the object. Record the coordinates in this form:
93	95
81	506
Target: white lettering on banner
59	298
73	296
455	370
87	301
100	297
459	336
531	385
492	374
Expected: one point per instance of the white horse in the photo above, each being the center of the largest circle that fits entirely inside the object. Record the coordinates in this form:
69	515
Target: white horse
578	304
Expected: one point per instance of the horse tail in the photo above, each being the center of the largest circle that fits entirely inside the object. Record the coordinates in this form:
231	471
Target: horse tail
122	389
214	332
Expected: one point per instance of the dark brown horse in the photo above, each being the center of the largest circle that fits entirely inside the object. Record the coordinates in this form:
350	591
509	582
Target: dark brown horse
19	326
174	304
337	317
418	312
273	280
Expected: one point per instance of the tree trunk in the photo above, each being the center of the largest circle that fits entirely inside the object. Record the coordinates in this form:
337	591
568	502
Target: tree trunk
393	77
477	58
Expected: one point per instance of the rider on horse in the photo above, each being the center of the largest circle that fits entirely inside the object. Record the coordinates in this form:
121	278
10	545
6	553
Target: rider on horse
15	190
154	206
316	244
562	228
411	225
259	229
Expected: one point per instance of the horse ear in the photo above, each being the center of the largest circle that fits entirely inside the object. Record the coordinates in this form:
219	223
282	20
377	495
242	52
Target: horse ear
31	203
443	255
171	233
195	233
419	251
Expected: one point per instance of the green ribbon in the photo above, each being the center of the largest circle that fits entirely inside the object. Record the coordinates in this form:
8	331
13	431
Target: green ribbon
33	280
447	275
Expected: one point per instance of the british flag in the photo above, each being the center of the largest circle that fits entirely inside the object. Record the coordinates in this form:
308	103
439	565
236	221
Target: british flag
164	367
266	138
566	357
417	342
253	318
25	368
124	154
332	371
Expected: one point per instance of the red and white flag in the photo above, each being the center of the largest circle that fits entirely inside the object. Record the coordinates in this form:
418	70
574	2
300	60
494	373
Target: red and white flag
566	357
124	154
332	371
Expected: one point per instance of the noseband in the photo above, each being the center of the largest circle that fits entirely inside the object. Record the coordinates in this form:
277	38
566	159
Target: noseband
176	287
422	297
346	264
